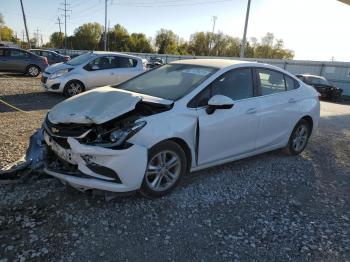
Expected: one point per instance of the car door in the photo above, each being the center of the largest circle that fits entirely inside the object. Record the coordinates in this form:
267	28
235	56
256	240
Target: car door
18	60
228	132
279	109
124	69
99	72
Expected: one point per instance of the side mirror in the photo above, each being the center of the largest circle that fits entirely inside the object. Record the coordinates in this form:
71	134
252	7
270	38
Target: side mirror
219	102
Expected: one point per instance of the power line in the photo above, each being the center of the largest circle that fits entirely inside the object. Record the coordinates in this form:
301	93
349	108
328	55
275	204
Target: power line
176	4
65	10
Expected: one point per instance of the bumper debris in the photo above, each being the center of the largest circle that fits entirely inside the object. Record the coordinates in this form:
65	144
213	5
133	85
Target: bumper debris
33	160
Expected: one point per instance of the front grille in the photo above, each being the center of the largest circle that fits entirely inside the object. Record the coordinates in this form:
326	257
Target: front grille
43	79
65	130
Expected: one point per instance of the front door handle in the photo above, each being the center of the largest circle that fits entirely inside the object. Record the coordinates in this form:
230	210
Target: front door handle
251	111
292	100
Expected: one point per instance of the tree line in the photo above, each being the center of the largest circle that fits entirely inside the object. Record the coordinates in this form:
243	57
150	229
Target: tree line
90	36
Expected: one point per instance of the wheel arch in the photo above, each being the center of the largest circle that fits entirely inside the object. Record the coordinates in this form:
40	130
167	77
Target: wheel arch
75	80
310	121
185	147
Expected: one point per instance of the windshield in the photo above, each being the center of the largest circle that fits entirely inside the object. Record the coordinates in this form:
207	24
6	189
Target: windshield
80	59
169	81
317	81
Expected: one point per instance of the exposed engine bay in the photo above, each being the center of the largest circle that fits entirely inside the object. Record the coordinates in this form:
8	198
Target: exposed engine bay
112	134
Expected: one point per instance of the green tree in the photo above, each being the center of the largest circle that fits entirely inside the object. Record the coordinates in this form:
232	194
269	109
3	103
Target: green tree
87	36
166	41
118	39
56	39
139	43
199	44
6	33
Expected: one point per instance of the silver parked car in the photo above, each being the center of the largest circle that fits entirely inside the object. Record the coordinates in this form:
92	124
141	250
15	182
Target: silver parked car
90	70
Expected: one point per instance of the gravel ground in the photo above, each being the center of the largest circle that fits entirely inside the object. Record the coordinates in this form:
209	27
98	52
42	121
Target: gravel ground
265	208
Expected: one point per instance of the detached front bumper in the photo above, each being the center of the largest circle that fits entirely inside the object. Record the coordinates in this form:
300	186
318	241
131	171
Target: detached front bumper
120	170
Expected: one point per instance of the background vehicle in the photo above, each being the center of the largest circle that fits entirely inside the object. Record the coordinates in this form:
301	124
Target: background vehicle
20	61
146	133
155	62
91	70
52	57
321	84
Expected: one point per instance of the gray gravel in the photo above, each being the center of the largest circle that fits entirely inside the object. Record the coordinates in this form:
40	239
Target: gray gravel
265	208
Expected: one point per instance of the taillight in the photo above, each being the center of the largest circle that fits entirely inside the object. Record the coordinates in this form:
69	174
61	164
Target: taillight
66	58
45	61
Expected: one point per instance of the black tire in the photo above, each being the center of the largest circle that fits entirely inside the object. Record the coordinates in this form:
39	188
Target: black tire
73	87
171	149
298	139
33	70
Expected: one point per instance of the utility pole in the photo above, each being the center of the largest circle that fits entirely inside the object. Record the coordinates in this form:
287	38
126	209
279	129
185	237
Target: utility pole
105	36
214	18
108	40
244	40
65	22
37	37
25	24
59	24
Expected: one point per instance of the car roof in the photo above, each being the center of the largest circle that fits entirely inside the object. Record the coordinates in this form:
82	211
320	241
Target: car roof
100	53
217	63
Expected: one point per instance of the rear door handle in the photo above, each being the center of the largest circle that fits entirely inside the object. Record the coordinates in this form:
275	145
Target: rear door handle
251	111
292	100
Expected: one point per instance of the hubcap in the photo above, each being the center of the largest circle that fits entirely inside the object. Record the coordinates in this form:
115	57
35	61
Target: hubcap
300	138
74	89
33	71
163	170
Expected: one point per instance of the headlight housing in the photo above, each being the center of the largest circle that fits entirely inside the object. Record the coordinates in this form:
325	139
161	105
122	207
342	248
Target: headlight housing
118	137
60	73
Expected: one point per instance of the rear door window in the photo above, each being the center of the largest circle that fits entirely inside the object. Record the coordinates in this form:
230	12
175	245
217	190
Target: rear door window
271	81
124	62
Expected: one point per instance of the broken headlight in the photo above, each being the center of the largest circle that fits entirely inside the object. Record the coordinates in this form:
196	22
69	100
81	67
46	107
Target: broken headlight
118	137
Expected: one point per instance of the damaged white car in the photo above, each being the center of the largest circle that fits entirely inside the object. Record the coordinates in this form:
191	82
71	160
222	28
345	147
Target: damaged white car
146	133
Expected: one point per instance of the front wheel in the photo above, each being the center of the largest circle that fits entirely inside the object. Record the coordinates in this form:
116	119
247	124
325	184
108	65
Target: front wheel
166	165
73	88
299	138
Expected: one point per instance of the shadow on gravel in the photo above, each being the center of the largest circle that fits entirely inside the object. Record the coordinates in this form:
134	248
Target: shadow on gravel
31	101
17	75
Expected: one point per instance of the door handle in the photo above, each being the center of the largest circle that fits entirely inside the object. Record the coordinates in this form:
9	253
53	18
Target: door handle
292	100
251	111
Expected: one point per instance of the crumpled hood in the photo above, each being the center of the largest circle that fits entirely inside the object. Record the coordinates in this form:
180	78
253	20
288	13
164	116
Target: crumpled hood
55	67
98	106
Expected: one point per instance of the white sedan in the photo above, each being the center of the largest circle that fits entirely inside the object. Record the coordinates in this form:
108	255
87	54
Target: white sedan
148	132
90	70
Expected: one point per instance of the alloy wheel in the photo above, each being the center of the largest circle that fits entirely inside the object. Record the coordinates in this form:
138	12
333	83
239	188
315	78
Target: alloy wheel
163	170
300	138
74	88
33	71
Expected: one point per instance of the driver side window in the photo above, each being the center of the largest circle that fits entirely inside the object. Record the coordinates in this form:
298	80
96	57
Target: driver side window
101	63
236	84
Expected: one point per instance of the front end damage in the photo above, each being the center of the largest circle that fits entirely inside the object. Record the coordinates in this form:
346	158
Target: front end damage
89	155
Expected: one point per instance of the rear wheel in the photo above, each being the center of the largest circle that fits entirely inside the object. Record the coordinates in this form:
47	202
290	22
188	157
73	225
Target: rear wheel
166	165
33	71
73	88
299	138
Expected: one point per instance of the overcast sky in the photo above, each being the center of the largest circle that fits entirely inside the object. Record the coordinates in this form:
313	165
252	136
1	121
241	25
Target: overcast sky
314	29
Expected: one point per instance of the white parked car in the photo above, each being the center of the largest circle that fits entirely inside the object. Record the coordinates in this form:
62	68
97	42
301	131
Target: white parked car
90	70
148	132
